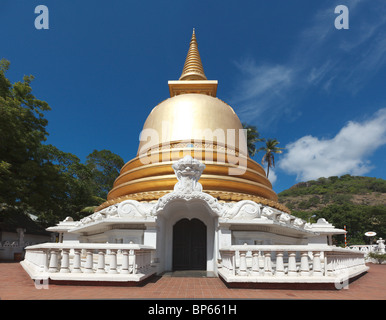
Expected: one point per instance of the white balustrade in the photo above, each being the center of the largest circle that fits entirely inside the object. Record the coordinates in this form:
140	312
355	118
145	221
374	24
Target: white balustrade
65	265
317	265
113	261
304	266
101	261
243	263
77	261
288	261
89	261
279	264
267	264
54	260
255	263
125	262
228	262
292	269
97	259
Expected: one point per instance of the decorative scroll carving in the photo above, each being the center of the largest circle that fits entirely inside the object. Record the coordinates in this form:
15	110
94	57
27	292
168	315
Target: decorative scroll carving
245	209
285	218
188	172
134	209
125	209
211	202
268	212
299	223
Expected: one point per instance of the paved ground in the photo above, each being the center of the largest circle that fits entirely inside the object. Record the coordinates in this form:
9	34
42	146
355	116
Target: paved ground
15	284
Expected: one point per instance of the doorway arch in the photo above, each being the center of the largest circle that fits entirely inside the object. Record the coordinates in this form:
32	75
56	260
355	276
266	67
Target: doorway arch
189	245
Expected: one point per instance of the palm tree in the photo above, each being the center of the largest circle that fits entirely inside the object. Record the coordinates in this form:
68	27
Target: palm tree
253	136
270	149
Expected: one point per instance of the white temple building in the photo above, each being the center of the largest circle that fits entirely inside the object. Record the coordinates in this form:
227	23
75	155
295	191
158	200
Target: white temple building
189	202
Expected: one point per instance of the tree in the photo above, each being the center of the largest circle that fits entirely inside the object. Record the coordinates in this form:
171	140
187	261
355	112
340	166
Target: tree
105	167
22	130
378	257
59	185
270	149
39	178
253	136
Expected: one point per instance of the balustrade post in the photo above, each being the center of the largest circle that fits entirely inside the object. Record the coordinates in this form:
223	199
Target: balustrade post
89	261
144	262
243	263
261	263
113	261
267	263
77	261
316	265
328	265
233	262
139	261
255	263
125	261
65	265
304	266
132	267
292	263
44	266
147	257
279	264
101	261
53	266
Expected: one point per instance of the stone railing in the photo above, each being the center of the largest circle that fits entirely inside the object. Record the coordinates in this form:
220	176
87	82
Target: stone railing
364	248
89	261
289	263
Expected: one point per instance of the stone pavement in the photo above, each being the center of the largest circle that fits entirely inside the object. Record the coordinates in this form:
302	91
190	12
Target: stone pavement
15	284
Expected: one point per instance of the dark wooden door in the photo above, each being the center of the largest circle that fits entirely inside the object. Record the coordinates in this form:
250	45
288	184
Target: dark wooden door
189	245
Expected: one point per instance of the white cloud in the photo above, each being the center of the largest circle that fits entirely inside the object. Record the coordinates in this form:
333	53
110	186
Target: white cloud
272	176
347	153
319	58
262	86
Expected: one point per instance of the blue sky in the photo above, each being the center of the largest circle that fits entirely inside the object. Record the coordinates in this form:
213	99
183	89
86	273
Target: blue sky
282	65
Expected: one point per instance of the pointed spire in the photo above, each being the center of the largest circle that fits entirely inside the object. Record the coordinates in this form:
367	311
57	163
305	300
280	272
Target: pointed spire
193	69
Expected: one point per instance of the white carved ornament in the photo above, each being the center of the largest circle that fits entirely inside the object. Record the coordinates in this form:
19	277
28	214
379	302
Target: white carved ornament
245	209
134	209
188	171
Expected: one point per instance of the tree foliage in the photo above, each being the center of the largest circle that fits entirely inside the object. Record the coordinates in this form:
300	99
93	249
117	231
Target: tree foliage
22	130
345	184
270	150
333	199
105	167
253	136
39	178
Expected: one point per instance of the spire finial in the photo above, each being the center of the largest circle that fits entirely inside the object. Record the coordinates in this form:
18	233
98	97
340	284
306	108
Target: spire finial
193	69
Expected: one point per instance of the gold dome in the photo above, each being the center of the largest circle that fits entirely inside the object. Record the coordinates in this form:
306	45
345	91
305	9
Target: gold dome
191	117
193	122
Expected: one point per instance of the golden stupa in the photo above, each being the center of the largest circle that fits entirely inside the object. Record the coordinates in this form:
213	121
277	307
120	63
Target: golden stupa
193	121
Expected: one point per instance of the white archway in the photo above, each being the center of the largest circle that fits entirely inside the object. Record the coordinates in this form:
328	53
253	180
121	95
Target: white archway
174	211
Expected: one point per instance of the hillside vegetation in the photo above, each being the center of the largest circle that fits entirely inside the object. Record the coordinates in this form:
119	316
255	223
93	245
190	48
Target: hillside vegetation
355	201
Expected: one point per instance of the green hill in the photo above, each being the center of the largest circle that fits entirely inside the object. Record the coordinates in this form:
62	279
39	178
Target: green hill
355	201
